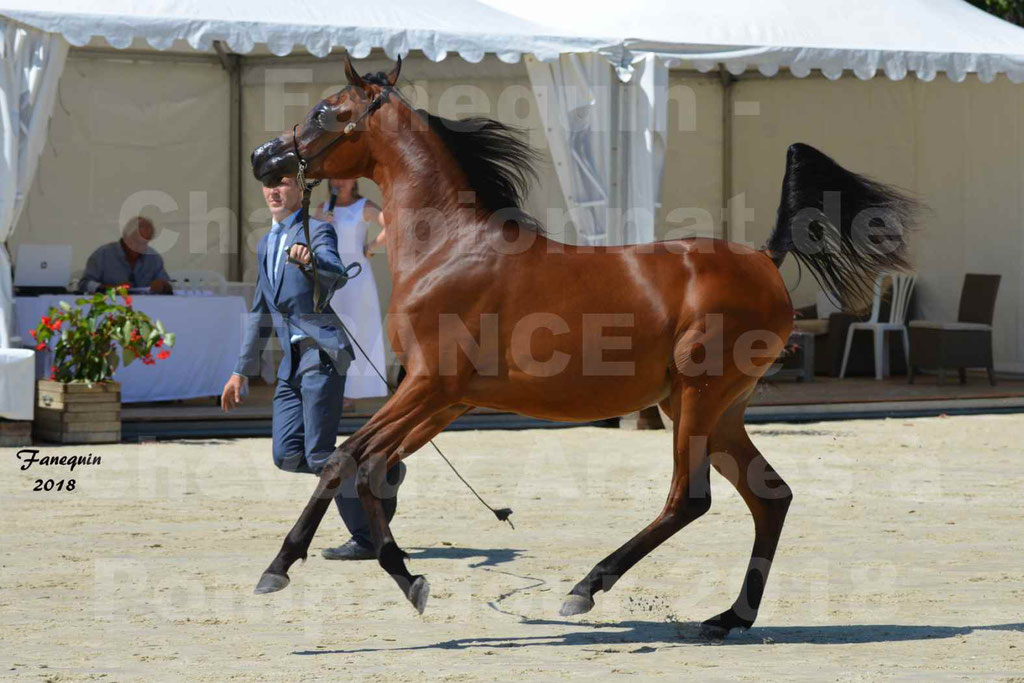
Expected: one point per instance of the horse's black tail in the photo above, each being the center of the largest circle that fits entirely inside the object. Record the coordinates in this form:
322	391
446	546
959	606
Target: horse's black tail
844	227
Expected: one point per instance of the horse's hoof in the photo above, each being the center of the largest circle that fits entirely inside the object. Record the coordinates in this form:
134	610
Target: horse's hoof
418	593
711	631
576	604
717	628
271	583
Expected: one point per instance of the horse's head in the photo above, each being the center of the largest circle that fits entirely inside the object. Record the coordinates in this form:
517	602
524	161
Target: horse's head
331	140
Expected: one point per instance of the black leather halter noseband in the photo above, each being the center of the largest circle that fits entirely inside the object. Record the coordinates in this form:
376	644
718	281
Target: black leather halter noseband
307	190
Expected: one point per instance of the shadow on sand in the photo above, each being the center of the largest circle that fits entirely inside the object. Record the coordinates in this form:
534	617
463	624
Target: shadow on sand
489	557
650	635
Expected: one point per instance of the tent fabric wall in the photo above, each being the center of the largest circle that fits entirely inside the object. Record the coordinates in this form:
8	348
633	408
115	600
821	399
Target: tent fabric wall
958	147
691	186
130	136
29	73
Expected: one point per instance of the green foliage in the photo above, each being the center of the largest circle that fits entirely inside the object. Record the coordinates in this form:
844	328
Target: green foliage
1010	10
88	334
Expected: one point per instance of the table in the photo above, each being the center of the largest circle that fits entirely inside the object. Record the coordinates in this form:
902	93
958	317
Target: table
208	338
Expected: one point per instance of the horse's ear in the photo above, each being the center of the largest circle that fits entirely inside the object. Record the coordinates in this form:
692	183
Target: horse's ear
393	74
351	74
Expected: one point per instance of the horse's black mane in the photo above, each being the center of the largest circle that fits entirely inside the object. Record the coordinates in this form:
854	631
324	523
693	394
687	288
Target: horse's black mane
498	163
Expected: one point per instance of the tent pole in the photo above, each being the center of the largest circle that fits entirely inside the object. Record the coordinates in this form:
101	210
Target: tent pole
232	65
727	80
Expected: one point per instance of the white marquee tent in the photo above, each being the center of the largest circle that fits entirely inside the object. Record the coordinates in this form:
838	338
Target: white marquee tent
566	45
897	36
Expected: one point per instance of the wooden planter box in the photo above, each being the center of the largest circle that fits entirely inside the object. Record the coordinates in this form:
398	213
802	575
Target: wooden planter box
78	413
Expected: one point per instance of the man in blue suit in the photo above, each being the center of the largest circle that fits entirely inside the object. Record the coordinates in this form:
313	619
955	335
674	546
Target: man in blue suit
311	377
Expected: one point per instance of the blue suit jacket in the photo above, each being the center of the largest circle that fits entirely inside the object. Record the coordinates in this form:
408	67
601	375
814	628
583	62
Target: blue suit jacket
290	302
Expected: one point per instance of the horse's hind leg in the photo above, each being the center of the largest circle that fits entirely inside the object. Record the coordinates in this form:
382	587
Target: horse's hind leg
694	415
736	458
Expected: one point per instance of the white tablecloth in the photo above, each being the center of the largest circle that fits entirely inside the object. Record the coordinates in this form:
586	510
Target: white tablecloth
208	337
17	384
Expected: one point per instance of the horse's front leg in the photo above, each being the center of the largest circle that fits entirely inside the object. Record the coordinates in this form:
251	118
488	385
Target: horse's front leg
339	467
384	453
412	404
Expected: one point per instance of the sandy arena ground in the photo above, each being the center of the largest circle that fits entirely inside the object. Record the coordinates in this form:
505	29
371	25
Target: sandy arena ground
902	559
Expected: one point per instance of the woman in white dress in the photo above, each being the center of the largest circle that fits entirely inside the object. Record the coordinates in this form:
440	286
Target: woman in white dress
357	303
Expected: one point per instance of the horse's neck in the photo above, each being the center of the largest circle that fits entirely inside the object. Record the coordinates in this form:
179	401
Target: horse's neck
422	185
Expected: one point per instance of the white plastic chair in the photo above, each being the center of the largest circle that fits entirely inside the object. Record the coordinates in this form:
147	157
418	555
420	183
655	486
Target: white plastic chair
902	286
199	281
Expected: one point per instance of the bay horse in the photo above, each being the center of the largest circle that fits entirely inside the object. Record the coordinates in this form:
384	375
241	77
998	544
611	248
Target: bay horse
487	311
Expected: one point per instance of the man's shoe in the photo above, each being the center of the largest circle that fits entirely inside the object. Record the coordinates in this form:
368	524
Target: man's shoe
350	550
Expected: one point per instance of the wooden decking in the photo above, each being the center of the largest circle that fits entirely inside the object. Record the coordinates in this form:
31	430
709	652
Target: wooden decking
868	390
783	400
831	398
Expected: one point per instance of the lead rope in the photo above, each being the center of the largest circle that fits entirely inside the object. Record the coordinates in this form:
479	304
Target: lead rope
503	514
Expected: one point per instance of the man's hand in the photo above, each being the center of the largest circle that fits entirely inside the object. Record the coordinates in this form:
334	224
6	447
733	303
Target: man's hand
300	253
231	397
160	287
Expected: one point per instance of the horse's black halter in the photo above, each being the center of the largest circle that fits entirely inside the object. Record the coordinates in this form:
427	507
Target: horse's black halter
307	188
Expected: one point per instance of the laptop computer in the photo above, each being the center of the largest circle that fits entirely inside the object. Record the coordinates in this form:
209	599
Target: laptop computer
42	269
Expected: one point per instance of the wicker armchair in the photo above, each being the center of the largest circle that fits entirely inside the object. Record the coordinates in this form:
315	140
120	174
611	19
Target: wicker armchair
966	343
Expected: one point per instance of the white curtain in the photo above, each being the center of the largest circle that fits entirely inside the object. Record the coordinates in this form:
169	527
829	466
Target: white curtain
607	140
30	66
575	98
643	116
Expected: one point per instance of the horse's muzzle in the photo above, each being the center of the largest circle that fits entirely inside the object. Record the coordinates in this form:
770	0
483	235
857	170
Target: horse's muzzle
272	161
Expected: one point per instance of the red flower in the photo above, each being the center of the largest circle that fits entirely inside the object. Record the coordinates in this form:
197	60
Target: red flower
40	346
163	355
56	324
159	342
33	333
148	360
45	320
53	374
127	300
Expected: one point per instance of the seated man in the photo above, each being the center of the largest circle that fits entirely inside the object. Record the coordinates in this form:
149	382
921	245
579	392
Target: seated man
128	260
